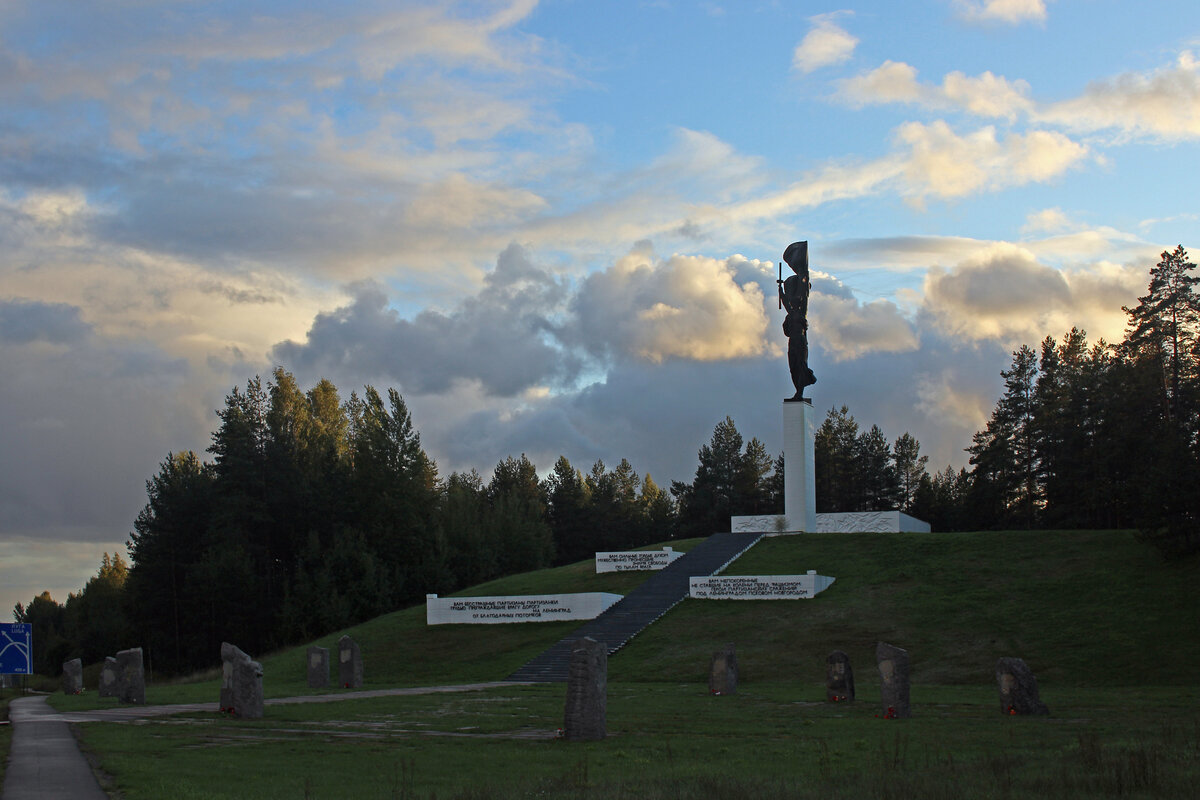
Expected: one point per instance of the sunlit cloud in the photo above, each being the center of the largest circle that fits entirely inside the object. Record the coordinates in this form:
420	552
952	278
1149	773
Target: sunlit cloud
985	95
1006	294
848	328
1159	104
1011	12
943	164
1162	104
1048	220
687	307
825	44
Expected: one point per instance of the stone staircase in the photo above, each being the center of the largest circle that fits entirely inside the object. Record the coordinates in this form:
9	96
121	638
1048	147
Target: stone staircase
638	609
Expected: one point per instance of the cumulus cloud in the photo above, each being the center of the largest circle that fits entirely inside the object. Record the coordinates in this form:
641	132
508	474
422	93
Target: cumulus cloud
527	328
1007	295
984	95
943	164
1011	12
849	329
502	337
1163	104
825	44
1048	220
688	307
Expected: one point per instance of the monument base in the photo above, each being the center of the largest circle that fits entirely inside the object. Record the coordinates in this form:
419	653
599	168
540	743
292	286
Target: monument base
799	466
842	522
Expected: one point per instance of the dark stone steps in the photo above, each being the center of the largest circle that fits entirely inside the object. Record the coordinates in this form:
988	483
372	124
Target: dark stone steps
632	614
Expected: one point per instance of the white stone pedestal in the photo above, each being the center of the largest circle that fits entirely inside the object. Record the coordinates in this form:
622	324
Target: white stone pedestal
799	469
799	477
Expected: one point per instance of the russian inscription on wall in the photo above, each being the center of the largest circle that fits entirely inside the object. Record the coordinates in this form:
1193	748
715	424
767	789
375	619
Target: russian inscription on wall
759	587
635	560
516	608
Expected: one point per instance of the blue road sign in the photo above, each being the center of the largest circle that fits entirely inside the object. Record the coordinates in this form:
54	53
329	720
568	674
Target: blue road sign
16	648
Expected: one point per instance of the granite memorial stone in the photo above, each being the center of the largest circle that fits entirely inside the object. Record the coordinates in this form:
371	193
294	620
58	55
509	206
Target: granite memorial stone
241	683
131	677
318	667
585	715
894	682
230	655
247	689
1018	688
723	671
110	678
839	678
350	666
72	679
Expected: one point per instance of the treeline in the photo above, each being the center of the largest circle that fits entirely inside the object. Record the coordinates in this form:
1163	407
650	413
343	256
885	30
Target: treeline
1102	435
316	513
1085	435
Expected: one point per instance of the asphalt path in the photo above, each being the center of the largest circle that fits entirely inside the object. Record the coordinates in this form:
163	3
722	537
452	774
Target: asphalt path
45	763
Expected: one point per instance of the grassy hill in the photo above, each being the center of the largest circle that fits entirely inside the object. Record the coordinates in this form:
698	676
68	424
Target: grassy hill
1083	608
1110	629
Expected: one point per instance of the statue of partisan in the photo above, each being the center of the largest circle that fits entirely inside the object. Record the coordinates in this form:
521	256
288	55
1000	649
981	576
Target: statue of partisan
793	295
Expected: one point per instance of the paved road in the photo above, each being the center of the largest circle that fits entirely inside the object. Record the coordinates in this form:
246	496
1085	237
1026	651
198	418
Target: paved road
44	762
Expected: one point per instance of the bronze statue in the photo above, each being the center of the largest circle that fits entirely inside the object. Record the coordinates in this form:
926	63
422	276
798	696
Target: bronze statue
793	295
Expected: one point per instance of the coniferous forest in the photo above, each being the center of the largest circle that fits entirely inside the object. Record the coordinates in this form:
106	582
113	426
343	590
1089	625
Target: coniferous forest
315	511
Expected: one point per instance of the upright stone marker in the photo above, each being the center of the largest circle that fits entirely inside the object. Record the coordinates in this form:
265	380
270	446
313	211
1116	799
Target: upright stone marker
585	718
131	677
241	683
1018	688
110	678
247	689
893	676
318	667
723	671
839	678
350	666
72	679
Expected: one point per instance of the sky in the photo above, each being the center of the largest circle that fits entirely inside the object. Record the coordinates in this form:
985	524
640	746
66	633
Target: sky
554	226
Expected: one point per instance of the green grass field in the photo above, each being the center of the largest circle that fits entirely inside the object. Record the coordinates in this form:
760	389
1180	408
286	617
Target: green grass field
1112	632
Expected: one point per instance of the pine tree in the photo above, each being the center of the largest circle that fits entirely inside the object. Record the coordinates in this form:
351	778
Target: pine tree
517	516
568	501
910	470
1164	327
1005	489
729	481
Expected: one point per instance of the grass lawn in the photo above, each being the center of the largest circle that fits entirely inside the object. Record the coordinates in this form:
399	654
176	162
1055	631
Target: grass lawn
671	740
1083	608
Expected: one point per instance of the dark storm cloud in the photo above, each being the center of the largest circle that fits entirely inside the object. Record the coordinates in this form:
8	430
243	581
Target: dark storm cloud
25	321
85	426
503	337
